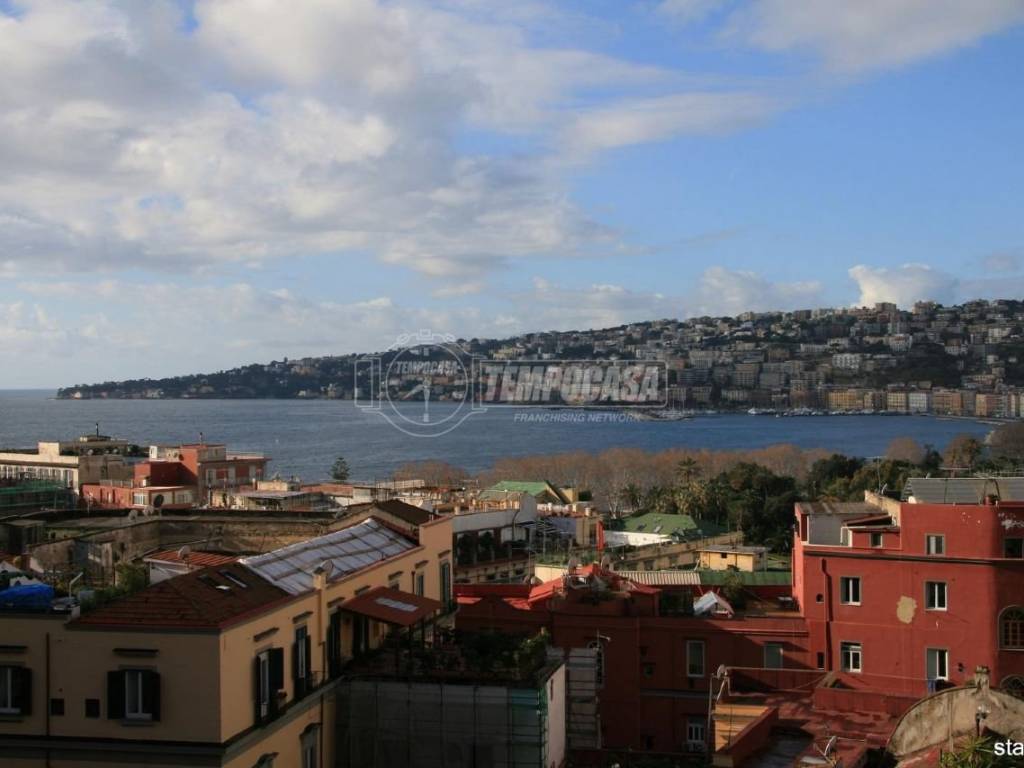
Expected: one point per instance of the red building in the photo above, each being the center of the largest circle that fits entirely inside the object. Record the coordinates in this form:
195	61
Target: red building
892	600
655	667
915	595
178	478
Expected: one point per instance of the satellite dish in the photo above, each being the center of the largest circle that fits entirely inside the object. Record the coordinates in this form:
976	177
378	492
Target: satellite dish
327	566
607	564
574	563
184	552
830	747
133	515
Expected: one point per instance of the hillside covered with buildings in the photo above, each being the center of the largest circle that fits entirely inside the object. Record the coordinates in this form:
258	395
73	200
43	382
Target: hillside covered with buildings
953	360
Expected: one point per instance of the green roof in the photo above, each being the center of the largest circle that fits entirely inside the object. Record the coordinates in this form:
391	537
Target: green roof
748	578
680	526
534	488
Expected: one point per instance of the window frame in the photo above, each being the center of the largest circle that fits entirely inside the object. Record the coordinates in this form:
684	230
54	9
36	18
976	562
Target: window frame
1011	625
931	590
695	726
135	686
845	590
851	648
880	539
941	653
7	707
703	658
940	538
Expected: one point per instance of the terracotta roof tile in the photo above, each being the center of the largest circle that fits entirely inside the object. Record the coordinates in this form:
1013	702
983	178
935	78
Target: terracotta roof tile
211	598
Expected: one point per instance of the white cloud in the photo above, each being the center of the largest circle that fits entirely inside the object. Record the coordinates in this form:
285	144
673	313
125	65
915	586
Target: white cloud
274	130
687	11
903	285
859	35
656	119
723	291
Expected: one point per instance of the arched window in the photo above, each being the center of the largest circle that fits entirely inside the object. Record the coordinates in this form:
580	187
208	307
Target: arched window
1011	627
1013	685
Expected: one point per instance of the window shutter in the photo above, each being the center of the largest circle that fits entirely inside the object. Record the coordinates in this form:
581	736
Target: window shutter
21	680
309	661
115	695
295	669
257	694
151	694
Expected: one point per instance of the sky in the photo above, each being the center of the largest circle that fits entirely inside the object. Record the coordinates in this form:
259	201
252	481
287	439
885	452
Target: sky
190	186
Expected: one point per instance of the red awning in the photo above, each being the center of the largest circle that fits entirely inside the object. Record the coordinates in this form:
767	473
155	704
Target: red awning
392	606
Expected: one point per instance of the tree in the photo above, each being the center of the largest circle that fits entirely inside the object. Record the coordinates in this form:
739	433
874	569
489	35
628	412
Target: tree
905	449
962	451
1008	442
339	470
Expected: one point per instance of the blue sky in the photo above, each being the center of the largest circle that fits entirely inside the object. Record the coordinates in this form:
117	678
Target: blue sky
193	186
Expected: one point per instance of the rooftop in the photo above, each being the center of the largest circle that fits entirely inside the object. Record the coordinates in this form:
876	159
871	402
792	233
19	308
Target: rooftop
410	513
348	550
680	526
195	558
962	490
211	598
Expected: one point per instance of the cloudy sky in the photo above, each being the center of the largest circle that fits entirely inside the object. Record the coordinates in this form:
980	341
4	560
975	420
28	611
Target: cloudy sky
187	186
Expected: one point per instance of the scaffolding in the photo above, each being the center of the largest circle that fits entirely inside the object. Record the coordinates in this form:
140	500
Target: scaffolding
441	725
32	495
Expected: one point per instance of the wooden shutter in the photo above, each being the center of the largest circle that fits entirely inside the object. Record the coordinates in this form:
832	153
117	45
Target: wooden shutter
257	693
308	641
151	694
296	683
21	689
115	695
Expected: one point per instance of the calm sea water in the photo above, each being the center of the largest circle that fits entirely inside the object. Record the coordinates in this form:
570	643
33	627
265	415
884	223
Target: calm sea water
304	437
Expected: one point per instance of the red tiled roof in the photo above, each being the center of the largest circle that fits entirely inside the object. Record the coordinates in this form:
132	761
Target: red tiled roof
207	599
392	606
196	559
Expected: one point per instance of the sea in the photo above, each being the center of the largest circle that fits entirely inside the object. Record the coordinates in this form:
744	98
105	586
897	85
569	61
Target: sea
303	437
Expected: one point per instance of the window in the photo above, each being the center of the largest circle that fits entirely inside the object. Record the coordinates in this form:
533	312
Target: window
301	662
308	747
773	655
935	595
937	664
876	539
849	590
268	680
334	658
446	584
850	657
15	690
419	582
695	738
695	658
935	544
821	660
1011	628
1013	548
133	694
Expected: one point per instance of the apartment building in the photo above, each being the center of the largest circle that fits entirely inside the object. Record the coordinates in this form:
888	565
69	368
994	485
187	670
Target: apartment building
71	463
230	665
913	596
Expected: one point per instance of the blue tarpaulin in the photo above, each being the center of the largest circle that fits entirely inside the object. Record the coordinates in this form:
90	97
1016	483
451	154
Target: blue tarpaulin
34	596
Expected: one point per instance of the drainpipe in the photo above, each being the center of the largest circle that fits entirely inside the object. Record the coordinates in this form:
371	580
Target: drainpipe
827	614
46	704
